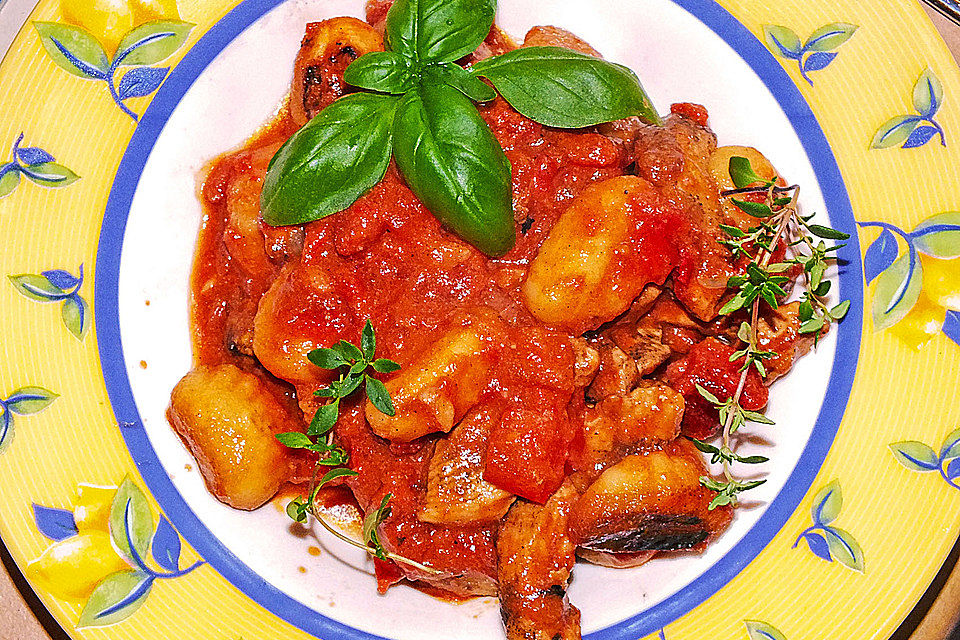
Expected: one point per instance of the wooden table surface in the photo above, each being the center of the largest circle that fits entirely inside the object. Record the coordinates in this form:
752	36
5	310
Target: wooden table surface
23	618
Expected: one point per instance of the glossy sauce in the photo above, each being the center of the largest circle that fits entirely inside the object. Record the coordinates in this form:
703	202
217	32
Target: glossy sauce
387	259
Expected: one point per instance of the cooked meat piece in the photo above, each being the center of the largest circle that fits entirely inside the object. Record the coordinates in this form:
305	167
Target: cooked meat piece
663	330
442	384
623	133
779	331
613	240
587	363
621	424
327	50
643	343
228	419
651	501
549	36
535	556
456	490
675	158
617	374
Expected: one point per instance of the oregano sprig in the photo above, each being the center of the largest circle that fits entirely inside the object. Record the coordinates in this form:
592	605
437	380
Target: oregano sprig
764	283
416	105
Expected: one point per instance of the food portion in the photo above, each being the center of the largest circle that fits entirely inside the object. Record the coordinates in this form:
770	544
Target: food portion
499	391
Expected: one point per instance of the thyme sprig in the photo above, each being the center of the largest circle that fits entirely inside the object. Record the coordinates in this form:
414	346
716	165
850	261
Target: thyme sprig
300	508
765	283
352	364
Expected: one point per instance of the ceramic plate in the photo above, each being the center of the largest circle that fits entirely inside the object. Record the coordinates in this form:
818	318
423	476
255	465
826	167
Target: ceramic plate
108	115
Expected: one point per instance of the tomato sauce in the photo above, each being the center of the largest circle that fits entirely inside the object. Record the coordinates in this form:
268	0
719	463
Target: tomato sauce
387	259
708	365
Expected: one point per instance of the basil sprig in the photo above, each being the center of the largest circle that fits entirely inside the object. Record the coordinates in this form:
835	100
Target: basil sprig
422	114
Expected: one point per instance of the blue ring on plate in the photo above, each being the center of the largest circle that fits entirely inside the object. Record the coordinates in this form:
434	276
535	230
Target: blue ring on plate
648	621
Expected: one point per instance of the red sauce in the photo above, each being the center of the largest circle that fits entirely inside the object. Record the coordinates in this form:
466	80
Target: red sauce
708	365
387	259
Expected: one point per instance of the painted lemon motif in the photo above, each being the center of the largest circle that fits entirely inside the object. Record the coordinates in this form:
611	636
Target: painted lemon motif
147	10
922	324
941	281
72	568
92	510
110	20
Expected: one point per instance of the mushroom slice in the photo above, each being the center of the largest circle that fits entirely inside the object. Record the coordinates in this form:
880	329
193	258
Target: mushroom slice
649	502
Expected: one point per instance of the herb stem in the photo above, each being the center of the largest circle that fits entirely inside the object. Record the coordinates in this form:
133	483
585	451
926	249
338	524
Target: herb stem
345	538
784	222
774	189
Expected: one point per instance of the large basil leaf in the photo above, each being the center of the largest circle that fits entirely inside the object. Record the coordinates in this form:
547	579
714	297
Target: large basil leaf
333	160
438	30
385	71
563	88
454	164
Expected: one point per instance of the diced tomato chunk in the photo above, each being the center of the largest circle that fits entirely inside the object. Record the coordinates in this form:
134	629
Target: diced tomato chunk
708	365
690	111
527	452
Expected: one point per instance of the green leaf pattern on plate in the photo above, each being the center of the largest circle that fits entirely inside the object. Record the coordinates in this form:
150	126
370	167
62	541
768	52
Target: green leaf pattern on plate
34	164
897	290
131	522
757	630
120	594
825	540
816	53
893	262
25	401
61	287
915	129
78	52
115	599
922	458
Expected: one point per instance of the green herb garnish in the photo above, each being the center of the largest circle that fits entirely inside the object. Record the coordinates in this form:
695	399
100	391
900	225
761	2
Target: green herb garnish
423	115
780	226
353	364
